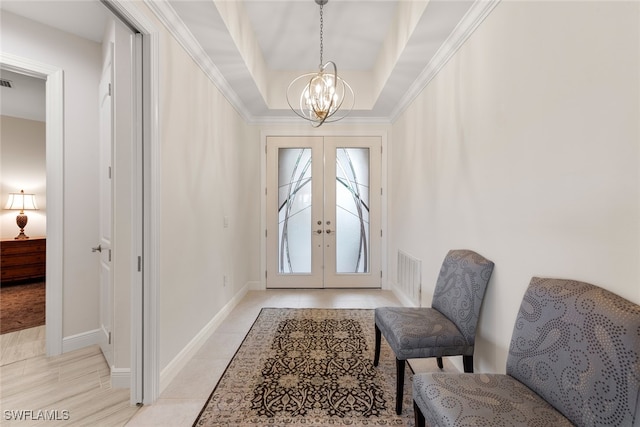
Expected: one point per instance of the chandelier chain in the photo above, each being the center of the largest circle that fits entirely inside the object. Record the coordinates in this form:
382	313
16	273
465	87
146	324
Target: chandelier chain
321	31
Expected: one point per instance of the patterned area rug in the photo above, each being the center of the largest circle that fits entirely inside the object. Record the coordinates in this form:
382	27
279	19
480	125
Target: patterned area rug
308	367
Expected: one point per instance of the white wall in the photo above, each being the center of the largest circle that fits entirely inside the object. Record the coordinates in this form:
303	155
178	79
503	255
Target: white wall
80	60
209	170
22	167
525	149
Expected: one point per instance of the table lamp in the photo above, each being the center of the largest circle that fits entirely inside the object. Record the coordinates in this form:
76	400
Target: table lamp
21	201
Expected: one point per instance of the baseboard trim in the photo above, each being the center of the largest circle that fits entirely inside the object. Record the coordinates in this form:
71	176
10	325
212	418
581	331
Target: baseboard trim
120	378
180	361
81	340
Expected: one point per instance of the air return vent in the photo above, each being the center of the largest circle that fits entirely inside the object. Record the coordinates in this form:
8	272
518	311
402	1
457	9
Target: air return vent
5	83
410	277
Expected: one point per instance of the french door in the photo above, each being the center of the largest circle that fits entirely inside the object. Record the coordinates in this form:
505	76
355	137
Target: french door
323	212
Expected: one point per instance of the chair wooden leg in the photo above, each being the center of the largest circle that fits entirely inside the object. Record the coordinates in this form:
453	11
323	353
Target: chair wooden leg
400	364
376	355
467	362
419	417
439	361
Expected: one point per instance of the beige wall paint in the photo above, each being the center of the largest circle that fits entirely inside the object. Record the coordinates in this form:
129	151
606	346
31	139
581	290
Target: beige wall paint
22	167
525	149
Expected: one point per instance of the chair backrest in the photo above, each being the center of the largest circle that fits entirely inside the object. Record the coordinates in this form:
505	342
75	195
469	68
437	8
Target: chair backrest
460	289
578	347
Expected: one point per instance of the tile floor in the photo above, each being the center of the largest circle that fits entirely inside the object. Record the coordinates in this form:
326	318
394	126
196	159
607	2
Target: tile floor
73	389
79	380
21	345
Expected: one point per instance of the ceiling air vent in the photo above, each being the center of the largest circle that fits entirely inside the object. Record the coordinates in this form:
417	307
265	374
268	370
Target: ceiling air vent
5	83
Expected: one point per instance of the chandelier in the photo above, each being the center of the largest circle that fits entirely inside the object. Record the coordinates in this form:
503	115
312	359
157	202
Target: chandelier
319	97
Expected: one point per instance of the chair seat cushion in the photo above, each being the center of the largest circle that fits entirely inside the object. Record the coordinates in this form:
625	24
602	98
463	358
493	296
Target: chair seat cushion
414	333
481	400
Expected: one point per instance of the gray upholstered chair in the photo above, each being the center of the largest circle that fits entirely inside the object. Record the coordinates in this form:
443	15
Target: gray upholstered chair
448	327
574	359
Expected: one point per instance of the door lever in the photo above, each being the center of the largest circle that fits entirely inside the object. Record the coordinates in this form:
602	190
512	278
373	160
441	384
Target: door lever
97	249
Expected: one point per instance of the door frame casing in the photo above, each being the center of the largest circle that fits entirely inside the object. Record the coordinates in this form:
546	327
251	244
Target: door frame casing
54	143
145	363
324	132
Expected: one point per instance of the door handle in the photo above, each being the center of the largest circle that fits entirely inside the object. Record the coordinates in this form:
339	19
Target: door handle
328	231
319	231
97	249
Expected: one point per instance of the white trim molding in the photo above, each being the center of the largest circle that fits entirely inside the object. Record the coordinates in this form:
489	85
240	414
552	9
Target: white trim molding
81	340
55	188
467	25
148	342
120	377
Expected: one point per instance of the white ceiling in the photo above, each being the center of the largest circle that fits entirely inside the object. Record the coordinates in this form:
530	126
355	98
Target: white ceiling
252	48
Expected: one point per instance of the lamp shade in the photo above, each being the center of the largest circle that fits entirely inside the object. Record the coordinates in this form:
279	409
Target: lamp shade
21	201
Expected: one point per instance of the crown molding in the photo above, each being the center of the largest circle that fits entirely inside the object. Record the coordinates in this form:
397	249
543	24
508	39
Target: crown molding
467	25
295	120
177	28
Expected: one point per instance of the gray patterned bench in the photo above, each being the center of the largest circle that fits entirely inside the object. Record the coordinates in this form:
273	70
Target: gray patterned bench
574	359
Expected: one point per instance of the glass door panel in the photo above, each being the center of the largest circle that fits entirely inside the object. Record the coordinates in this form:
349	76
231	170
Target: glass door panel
294	210
352	210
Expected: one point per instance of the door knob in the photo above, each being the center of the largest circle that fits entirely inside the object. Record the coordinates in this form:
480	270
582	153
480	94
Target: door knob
328	231
319	231
97	249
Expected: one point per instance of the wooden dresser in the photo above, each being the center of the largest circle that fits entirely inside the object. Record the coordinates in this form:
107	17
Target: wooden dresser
22	260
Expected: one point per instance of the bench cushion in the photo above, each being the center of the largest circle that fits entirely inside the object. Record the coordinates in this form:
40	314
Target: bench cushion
481	400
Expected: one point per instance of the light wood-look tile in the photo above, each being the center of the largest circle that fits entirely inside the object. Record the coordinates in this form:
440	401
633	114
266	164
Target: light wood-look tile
76	384
20	345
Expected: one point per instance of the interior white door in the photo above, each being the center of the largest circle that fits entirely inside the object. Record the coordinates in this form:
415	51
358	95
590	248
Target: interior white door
323	212
106	195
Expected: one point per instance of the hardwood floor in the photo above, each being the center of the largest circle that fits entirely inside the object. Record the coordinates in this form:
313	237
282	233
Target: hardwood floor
71	389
